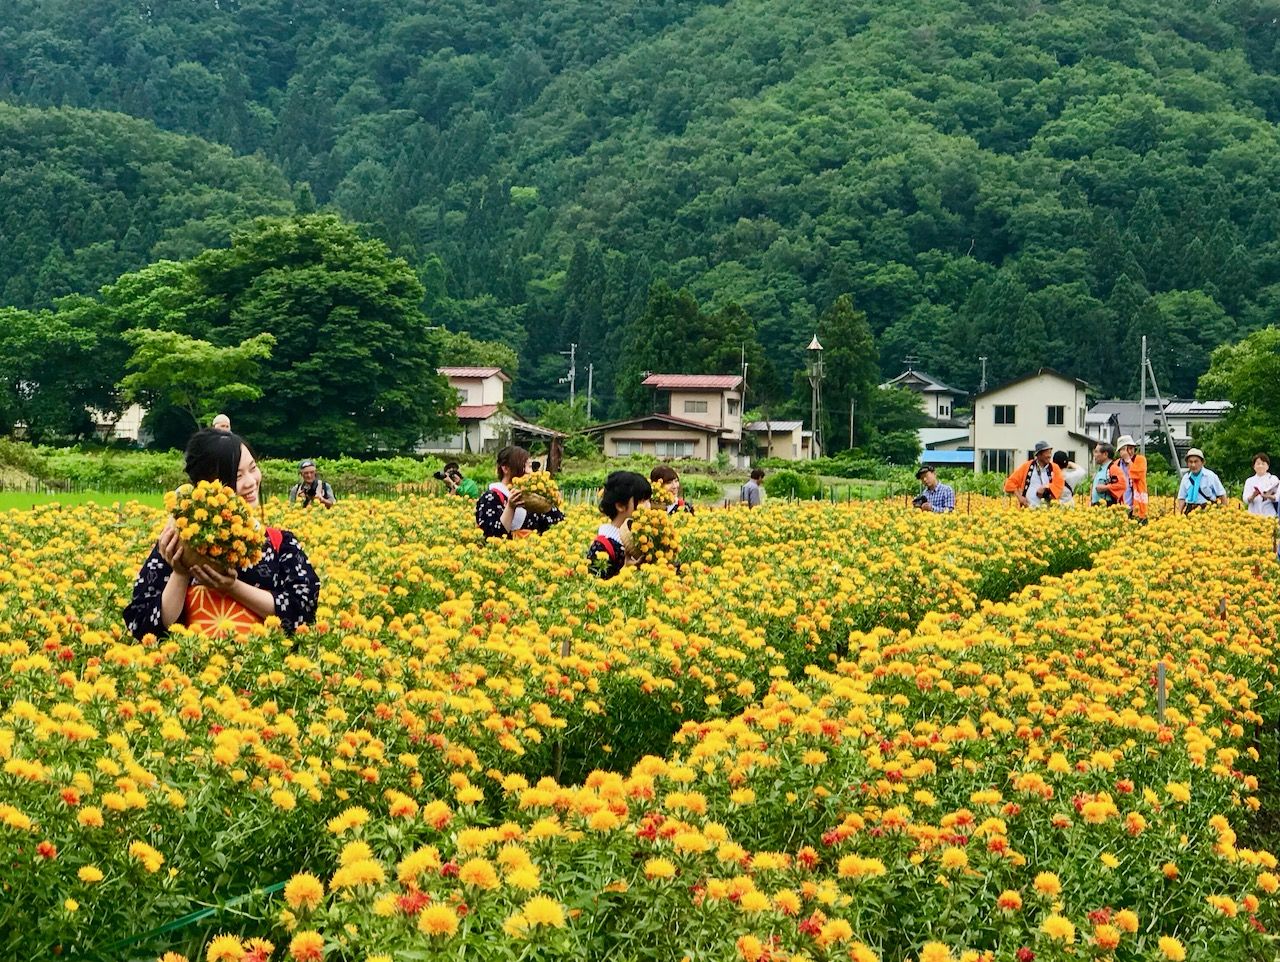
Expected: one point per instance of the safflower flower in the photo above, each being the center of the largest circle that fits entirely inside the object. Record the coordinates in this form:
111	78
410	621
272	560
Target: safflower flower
224	948
307	947
1171	949
437	919
1059	929
303	891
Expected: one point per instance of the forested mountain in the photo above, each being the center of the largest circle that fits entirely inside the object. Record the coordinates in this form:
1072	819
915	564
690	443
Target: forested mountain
1037	182
86	196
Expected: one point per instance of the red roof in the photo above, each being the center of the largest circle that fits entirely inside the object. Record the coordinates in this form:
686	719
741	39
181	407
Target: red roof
478	372
475	412
694	382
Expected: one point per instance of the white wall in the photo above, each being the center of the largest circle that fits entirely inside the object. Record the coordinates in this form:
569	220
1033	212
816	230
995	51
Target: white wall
1031	400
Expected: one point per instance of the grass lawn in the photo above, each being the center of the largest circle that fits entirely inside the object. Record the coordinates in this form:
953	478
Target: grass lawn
24	500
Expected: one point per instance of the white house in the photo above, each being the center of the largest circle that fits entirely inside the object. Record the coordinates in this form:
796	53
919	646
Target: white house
126	427
1043	406
787	440
1186	417
695	416
936	399
483	425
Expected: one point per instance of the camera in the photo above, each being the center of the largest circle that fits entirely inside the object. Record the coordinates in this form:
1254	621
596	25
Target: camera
439	475
919	500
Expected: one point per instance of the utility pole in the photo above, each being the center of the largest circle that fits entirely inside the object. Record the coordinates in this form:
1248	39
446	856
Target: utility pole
852	402
982	385
591	373
572	377
1142	401
815	374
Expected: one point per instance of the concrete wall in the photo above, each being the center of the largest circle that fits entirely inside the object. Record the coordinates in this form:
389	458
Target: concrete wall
1031	400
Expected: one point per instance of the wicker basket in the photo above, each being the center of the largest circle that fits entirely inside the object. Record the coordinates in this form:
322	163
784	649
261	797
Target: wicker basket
535	503
192	557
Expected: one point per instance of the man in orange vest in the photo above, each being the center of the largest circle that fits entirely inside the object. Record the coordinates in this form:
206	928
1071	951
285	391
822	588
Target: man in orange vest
1038	481
1134	466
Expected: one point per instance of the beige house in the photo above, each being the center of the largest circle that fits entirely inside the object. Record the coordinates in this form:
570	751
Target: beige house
786	440
1043	406
695	416
483	424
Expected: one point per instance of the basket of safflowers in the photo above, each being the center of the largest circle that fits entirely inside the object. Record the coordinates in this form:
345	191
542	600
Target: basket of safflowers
654	539
540	491
216	526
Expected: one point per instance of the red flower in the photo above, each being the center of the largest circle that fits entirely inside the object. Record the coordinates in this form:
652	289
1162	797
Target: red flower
1024	954
47	849
413	902
449	869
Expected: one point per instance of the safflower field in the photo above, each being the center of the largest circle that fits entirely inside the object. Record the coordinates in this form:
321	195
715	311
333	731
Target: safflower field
838	732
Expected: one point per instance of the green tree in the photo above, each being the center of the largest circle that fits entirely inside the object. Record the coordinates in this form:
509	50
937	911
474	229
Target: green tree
353	369
51	372
852	371
193	375
1246	374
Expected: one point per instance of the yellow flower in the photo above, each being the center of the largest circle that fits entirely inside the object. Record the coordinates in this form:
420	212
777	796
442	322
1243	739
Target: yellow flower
1268	882
1106	936
936	952
1172	949
1126	921
541	910
224	948
71	905
307	947
438	919
659	868
1047	883
303	891
480	873
1009	901
1059	928
89	874
954	858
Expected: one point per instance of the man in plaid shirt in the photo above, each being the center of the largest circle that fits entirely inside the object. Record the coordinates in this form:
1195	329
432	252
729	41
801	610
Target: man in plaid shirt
936	497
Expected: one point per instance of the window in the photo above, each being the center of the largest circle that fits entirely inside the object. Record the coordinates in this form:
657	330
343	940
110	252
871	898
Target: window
733	405
624	448
1005	413
1057	414
674	449
1081	419
944	410
464	395
695	407
1001	462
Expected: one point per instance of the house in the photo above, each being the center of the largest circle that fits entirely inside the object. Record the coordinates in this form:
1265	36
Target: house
694	416
936	399
483	424
1111	418
1042	406
944	439
786	440
125	427
1186	417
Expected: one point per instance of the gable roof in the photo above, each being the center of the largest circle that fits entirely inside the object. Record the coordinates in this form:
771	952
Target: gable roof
919	382
1039	372
476	372
694	382
780	426
665	419
475	412
1209	409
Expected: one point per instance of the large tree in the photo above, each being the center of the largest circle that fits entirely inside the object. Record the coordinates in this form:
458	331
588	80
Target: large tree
852	370
354	365
1246	374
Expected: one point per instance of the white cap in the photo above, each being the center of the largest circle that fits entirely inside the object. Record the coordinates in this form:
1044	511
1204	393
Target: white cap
1196	453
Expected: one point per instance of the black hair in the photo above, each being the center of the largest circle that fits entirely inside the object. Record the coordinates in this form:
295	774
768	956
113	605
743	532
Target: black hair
214	455
451	466
1262	456
1107	449
1060	459
757	474
621	487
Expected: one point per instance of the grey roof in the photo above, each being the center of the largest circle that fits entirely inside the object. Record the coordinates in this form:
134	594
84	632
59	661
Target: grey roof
1211	409
765	426
926	384
1126	412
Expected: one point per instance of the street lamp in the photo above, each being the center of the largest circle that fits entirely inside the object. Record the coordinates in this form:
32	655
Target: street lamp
815	386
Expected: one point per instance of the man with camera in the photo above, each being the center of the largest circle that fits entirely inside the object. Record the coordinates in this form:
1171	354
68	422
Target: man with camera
936	497
311	488
457	482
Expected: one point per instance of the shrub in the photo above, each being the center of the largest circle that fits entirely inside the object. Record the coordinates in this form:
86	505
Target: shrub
792	484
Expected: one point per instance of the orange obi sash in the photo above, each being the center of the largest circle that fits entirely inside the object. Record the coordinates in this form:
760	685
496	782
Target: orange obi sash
210	612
